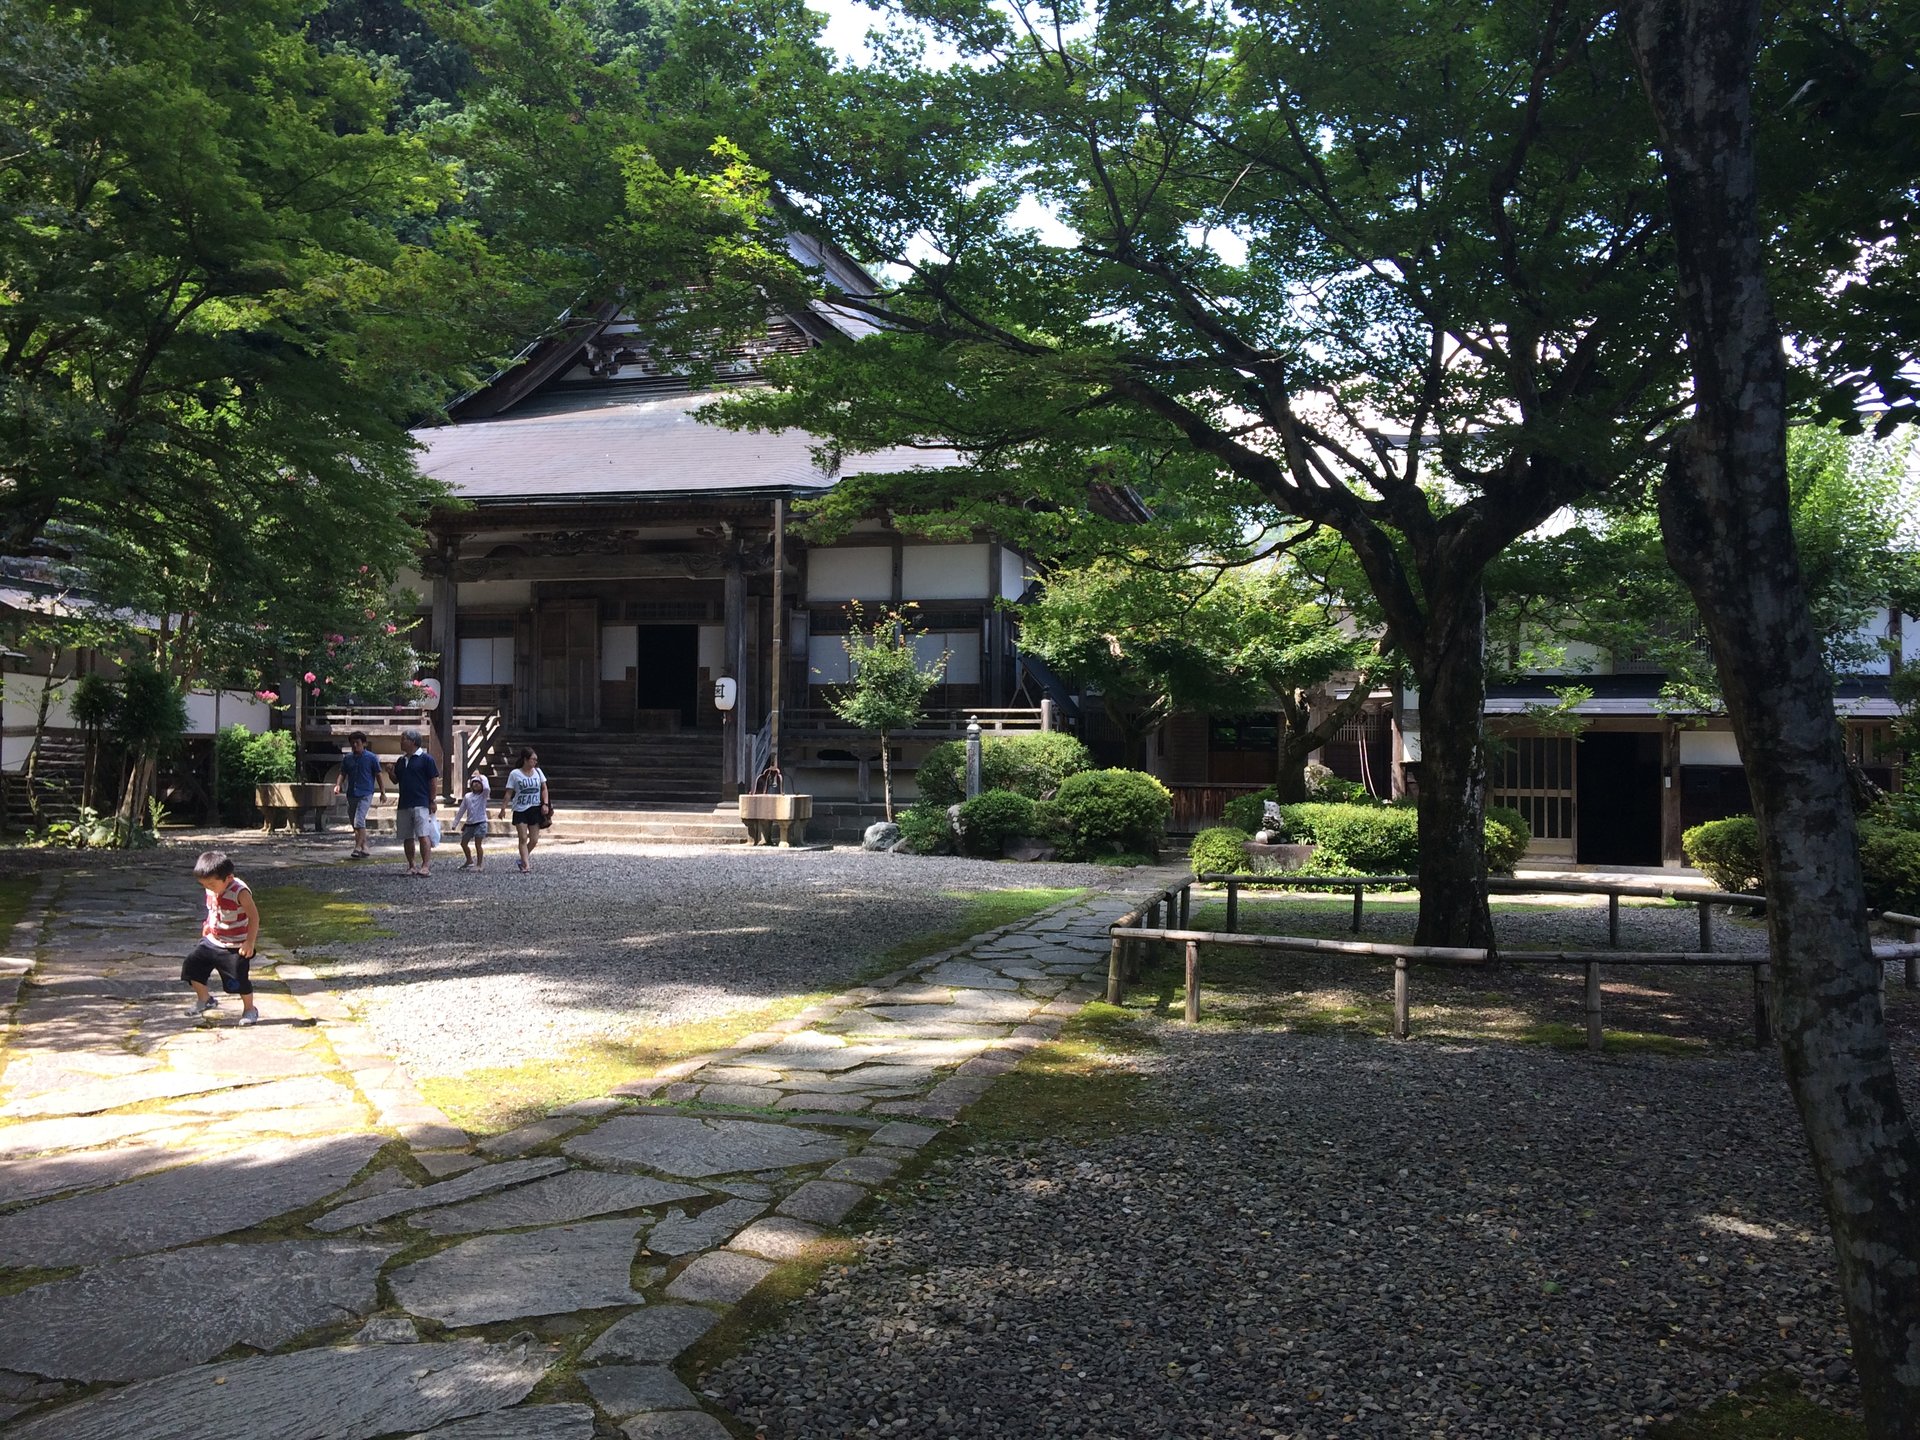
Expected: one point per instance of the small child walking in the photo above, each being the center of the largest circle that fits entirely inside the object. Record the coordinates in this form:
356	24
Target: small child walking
472	820
227	937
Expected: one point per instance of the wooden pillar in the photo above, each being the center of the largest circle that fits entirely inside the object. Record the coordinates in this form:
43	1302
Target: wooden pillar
446	640
1706	927
1116	971
1402	1001
1233	906
1613	918
733	732
1670	852
1359	899
1193	981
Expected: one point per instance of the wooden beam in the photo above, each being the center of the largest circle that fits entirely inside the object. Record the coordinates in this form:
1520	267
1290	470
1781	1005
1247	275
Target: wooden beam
693	566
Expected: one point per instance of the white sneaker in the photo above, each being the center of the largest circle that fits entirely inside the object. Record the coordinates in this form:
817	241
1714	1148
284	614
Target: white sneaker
200	1007
250	1017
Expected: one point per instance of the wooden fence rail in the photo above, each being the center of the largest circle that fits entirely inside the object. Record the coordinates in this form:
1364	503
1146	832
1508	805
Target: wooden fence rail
1402	956
1704	899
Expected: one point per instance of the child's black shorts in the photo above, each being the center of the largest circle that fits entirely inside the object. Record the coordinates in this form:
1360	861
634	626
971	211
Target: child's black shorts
208	957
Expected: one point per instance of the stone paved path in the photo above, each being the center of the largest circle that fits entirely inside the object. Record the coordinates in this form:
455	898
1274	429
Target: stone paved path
267	1233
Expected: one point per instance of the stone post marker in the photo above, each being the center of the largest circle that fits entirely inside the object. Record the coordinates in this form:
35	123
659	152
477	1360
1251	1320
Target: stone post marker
973	756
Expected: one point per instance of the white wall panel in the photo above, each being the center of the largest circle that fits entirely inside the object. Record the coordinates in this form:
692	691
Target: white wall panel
1708	747
945	572
619	651
858	572
487	660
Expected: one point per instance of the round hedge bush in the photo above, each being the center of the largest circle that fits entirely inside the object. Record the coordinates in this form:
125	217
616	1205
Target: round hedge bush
1111	812
925	830
992	818
1727	851
1032	765
1508	836
1220	850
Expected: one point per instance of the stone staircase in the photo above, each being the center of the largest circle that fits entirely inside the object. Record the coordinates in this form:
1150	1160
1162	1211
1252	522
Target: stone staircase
641	770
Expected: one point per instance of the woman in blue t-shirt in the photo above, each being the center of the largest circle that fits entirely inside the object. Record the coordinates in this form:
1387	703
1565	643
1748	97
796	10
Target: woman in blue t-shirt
527	799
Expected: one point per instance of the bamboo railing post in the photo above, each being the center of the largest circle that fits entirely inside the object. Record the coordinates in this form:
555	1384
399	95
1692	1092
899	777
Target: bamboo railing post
1359	898
1706	928
1400	1000
1193	981
1762	1005
1613	918
1186	904
1233	915
1116	971
1596	1036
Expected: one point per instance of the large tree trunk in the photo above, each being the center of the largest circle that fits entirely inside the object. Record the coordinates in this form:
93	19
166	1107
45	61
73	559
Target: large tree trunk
1725	519
1452	671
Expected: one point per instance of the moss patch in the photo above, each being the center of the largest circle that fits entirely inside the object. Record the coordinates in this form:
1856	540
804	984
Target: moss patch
1077	1087
1771	1410
499	1098
299	918
16	894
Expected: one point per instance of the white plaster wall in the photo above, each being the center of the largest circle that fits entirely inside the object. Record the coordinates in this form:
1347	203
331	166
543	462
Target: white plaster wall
487	660
826	661
1014	574
945	572
858	572
1910	639
1708	747
619	651
237	707
963	661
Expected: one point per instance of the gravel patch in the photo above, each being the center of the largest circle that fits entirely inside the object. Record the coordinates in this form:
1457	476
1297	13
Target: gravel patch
498	968
1338	1236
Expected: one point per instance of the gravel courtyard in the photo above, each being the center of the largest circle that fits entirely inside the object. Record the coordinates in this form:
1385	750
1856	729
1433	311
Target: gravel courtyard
498	968
1303	1234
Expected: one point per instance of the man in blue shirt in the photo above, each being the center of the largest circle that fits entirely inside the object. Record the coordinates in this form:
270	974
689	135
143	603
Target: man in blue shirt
414	773
360	775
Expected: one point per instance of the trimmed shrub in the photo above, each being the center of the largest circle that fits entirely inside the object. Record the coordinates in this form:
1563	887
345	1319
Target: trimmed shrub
1109	811
925	830
1220	851
1727	851
1508	836
992	818
247	760
1356	839
1890	865
1032	765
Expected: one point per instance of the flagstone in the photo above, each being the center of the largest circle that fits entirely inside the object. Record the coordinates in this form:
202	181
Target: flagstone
133	1319
843	1058
624	1390
755	1096
681	1234
553	1271
350	1393
575	1195
110	1094
528	1137
675	1425
692	1147
813	1100
825	1202
76	1132
657	1335
862	1169
38	1177
482	1181
304	1090
388	1330
526	1422
215	1196
722	1275
778	1237
905	1136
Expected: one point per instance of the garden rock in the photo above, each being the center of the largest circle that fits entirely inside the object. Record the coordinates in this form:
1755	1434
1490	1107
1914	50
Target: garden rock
882	835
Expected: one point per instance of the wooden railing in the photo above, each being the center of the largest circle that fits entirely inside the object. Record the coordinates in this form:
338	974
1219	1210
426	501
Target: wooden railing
943	724
1133	932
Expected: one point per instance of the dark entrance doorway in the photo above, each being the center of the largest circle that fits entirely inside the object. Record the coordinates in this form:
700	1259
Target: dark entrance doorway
1619	799
667	677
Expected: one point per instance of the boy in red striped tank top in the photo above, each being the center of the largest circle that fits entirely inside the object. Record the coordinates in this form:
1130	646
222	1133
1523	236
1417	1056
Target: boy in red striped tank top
227	937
